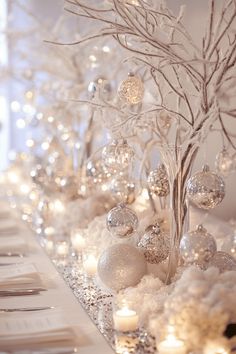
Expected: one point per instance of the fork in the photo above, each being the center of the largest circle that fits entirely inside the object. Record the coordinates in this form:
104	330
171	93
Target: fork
27	309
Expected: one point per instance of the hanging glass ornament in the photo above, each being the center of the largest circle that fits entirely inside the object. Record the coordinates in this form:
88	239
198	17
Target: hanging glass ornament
229	245
206	189
155	245
117	155
121	266
223	261
96	173
224	163
158	182
197	247
123	189
131	90
122	222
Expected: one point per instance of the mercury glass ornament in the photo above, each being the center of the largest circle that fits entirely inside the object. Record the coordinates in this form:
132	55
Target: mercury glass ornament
224	163
223	261
229	245
206	189
123	189
131	90
122	222
117	155
158	182
121	266
197	247
155	245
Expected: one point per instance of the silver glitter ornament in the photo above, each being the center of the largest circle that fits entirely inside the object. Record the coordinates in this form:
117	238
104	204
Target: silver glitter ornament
117	155
155	245
206	189
131	90
197	247
224	163
121	266
229	245
123	189
121	221
223	261
158	182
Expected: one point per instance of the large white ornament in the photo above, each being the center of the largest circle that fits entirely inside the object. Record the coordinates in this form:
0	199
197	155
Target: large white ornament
121	266
206	189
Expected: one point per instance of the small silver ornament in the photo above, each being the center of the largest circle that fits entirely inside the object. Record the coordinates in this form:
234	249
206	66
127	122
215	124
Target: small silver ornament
121	221
123	189
117	155
197	247
229	245
158	181
224	163
121	266
223	261
206	189
155	245
131	90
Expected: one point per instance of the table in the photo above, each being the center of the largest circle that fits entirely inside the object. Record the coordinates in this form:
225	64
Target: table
89	338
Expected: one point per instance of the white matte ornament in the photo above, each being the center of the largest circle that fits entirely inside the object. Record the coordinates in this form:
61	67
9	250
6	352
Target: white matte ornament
206	189
122	221
155	245
131	90
121	266
197	247
223	261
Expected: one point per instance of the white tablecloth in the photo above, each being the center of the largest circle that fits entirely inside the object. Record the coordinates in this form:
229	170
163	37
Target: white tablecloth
89	338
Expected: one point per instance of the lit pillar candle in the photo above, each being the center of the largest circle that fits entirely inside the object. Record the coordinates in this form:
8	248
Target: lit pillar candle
125	319
90	265
171	345
77	240
62	249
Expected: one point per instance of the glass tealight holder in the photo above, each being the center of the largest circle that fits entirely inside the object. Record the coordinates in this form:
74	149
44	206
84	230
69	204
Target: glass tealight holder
125	317
61	250
90	261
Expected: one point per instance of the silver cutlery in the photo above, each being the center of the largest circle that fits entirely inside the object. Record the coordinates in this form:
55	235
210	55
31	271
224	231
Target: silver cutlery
27	309
12	254
21	292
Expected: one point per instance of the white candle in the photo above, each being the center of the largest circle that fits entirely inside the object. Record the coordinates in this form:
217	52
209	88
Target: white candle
62	249
90	265
125	320
78	242
171	345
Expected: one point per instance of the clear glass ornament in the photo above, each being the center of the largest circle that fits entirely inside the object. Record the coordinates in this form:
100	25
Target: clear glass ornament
96	173
229	245
131	90
206	189
121	221
197	247
117	155
224	163
123	189
155	245
223	261
158	181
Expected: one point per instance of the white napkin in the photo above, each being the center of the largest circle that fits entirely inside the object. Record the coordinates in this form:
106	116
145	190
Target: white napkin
13	244
34	328
19	276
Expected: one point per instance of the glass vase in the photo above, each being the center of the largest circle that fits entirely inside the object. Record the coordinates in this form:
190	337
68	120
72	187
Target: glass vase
178	161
